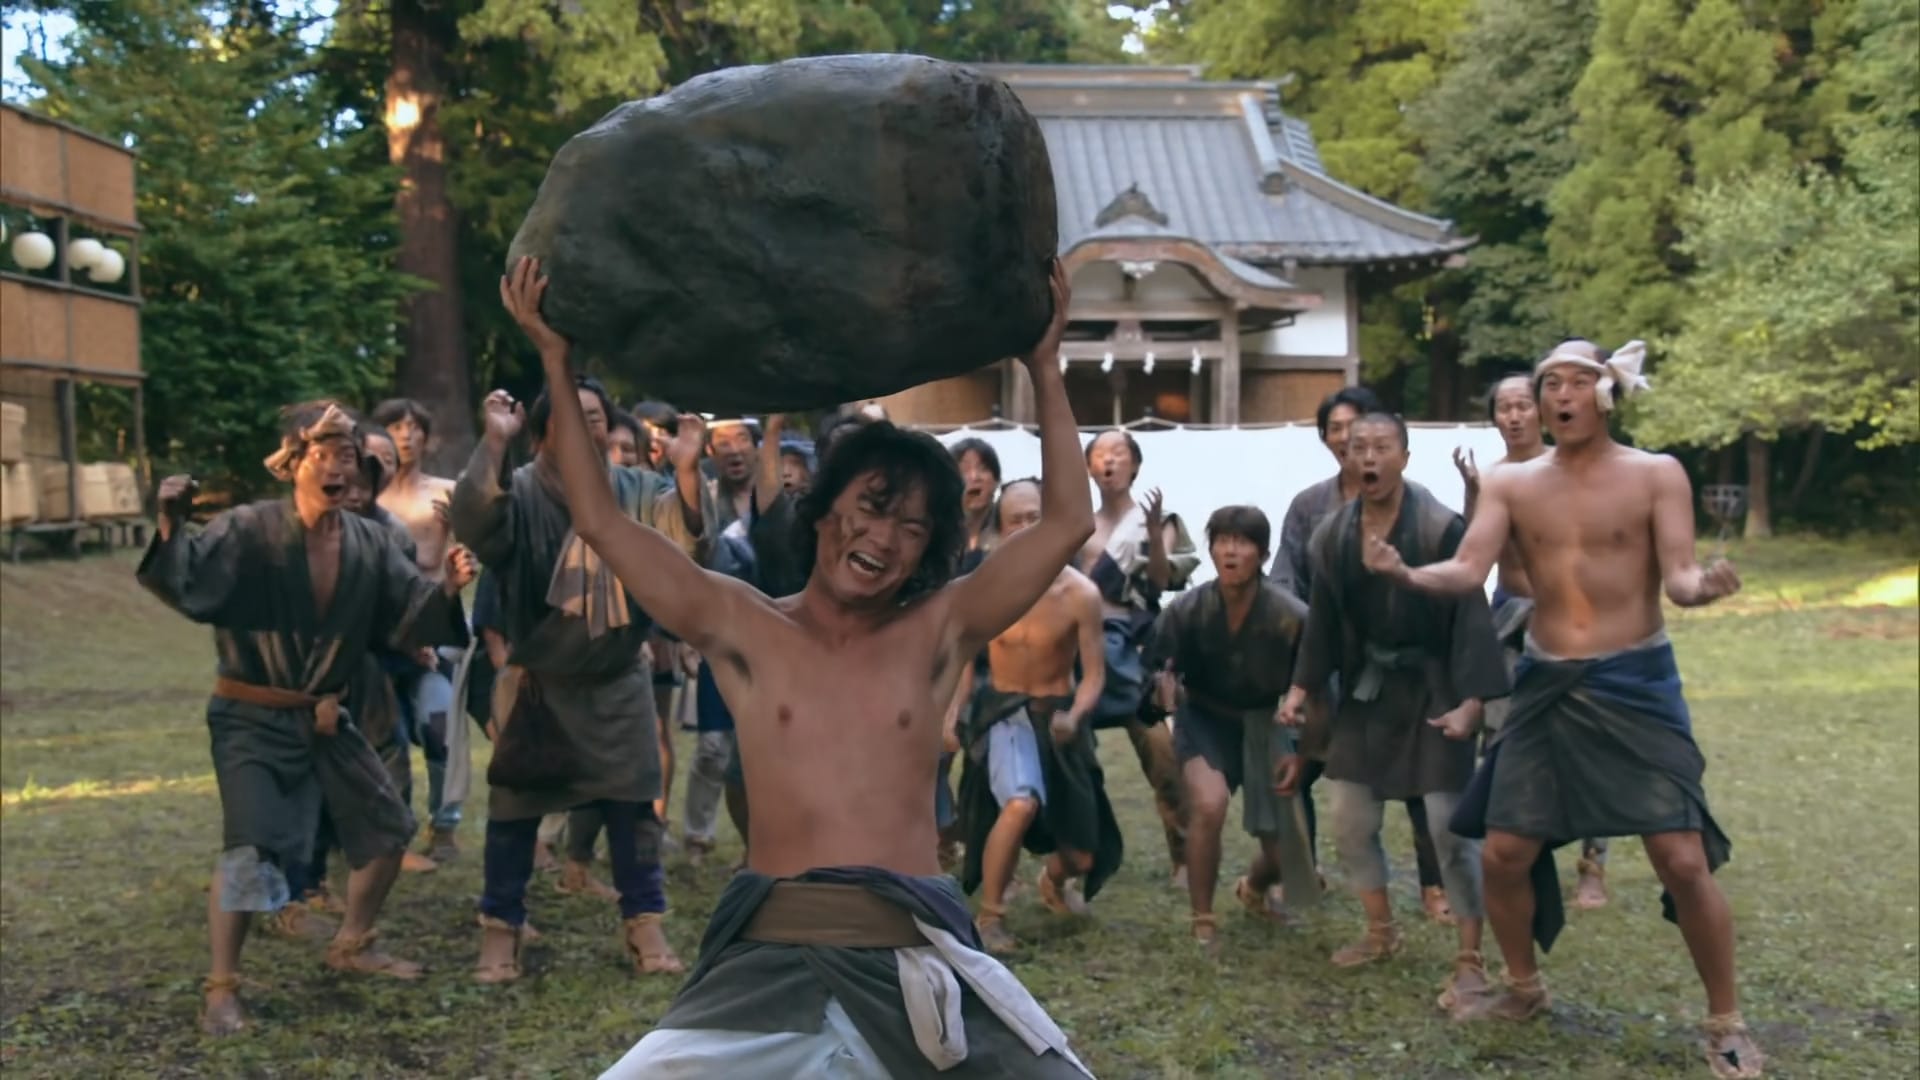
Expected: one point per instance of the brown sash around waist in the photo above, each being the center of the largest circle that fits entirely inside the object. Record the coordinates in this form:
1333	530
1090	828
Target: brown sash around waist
835	916
326	710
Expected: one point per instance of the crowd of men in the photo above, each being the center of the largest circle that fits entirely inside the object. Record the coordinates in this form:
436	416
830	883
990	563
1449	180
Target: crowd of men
871	607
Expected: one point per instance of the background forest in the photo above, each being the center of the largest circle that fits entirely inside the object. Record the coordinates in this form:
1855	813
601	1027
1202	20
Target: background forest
329	191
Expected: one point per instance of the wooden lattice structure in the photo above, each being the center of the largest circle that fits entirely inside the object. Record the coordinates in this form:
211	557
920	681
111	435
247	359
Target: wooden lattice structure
59	328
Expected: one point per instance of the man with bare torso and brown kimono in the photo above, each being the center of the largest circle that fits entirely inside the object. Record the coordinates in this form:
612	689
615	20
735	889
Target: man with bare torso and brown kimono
419	501
297	591
842	942
1599	741
1514	413
1032	778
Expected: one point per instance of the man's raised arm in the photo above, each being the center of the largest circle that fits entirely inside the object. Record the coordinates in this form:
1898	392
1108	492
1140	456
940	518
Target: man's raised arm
1468	568
1020	569
686	600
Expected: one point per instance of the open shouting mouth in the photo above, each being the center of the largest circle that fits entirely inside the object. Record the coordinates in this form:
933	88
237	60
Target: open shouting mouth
866	565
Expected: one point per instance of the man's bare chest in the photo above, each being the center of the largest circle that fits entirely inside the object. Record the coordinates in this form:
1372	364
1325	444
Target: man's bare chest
323	570
1049	624
1591	516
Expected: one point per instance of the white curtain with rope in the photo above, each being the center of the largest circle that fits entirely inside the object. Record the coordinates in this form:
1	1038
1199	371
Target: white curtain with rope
1200	469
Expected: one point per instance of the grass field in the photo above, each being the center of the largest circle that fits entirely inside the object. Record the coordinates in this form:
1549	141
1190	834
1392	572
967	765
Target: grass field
1805	698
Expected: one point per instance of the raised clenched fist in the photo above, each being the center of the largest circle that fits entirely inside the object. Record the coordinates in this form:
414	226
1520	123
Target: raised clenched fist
176	495
1383	558
504	416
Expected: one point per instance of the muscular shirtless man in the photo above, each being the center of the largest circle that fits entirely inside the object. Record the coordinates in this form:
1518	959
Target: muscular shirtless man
1032	775
841	940
1514	413
1599	742
419	501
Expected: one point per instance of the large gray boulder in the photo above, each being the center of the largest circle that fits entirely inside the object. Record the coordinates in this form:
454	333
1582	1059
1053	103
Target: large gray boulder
801	234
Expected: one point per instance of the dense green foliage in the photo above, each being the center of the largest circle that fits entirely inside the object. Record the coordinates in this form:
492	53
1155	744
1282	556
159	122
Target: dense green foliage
266	263
1495	132
1733	182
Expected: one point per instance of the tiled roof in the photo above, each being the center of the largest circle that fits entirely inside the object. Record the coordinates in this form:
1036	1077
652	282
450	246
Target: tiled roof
1221	160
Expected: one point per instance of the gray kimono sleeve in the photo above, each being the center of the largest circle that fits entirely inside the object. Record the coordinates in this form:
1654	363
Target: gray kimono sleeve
482	510
1290	569
661	510
1320	640
197	573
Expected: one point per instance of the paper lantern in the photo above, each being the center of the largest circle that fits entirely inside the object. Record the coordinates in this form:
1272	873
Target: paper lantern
83	253
108	267
33	250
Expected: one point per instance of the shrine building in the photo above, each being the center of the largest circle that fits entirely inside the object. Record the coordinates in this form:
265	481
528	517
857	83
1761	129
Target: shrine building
1216	265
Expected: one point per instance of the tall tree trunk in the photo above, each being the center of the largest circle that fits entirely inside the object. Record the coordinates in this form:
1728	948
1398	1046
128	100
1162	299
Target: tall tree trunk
1809	465
1759	495
1723	464
1392	390
434	368
1446	379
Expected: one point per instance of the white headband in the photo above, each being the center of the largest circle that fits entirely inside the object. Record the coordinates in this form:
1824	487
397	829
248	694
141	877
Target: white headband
1622	368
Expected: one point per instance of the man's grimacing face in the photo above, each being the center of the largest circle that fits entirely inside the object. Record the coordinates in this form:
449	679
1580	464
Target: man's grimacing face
327	471
409	439
1570	403
871	540
731	445
1378	456
1236	560
1110	462
1515	413
979	482
1019	508
1339	426
621	449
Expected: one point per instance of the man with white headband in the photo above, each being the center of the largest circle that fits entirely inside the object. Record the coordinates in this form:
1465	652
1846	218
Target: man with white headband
1512	410
1598	741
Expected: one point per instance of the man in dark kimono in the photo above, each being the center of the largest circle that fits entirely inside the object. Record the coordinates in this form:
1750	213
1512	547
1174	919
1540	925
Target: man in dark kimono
842	942
297	591
979	466
575	634
1229	646
376	712
1599	741
1032	778
1512	410
1293	570
1415	674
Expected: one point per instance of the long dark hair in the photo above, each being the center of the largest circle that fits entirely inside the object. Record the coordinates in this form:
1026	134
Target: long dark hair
903	459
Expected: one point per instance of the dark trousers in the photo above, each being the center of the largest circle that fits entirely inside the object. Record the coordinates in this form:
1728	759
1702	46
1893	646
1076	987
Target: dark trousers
633	842
1423	852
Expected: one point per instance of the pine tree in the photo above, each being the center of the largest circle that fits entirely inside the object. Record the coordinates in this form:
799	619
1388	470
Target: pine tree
1495	134
1677	94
